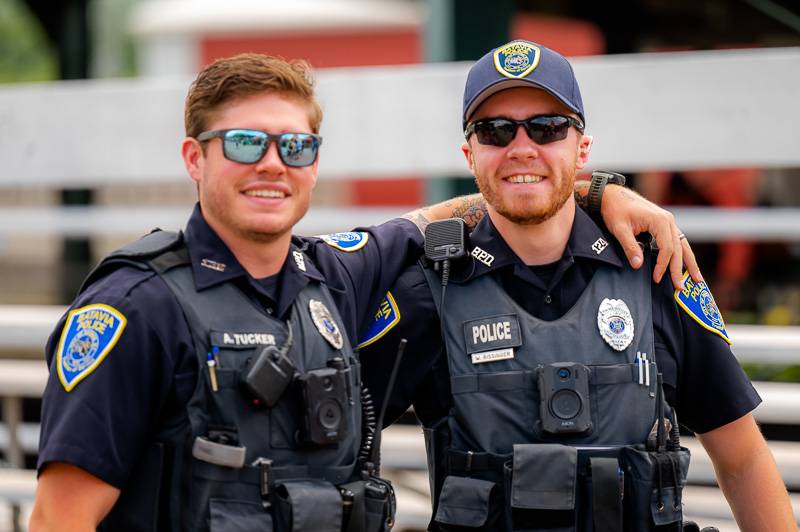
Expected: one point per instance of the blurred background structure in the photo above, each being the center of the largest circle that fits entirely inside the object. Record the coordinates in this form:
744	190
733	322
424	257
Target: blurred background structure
696	101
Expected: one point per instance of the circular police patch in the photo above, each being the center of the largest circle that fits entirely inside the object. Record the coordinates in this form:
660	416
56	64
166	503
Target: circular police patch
516	59
350	241
325	324
615	323
89	334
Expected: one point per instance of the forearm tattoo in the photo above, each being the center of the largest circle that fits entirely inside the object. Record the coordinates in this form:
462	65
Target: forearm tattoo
419	219
582	194
472	210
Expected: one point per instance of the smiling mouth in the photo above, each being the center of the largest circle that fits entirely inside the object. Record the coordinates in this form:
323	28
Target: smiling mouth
524	178
265	194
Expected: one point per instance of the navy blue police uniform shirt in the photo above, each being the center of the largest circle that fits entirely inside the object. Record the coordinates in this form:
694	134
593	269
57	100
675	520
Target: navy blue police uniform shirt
702	379
148	374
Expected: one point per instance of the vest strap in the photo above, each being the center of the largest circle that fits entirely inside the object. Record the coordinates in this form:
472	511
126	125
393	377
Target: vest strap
492	382
252	474
606	494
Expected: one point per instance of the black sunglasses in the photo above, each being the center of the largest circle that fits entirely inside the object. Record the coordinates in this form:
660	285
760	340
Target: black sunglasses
542	129
249	145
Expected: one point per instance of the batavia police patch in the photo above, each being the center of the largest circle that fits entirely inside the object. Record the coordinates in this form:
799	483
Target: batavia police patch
89	334
351	241
516	59
388	316
697	301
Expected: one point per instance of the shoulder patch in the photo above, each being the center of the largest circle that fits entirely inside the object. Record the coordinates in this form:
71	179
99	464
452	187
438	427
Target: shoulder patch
697	301
89	334
351	241
387	316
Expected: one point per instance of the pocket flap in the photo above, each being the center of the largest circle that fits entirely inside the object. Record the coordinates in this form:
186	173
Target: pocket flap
544	477
316	506
238	516
464	501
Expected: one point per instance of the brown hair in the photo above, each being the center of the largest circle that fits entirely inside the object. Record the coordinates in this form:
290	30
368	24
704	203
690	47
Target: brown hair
246	75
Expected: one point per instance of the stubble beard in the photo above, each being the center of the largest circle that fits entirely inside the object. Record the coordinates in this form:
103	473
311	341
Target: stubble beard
527	216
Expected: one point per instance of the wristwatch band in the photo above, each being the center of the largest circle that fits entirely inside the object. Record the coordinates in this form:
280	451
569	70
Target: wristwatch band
600	178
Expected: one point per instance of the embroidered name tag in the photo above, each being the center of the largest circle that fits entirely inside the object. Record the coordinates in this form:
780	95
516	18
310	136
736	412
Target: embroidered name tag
495	333
492	356
241	340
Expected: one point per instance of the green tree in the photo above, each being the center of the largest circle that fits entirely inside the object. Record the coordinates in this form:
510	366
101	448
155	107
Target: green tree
25	53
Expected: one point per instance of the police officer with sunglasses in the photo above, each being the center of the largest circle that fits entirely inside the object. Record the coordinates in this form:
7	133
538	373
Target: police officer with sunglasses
549	376
205	379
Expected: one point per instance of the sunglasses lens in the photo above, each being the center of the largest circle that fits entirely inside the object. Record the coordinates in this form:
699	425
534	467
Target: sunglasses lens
547	129
298	149
497	132
244	146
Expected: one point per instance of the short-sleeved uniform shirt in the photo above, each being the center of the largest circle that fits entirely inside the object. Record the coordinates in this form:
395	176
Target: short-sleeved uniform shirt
702	379
104	421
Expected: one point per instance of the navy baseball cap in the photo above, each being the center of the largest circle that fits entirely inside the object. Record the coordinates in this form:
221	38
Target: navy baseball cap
521	64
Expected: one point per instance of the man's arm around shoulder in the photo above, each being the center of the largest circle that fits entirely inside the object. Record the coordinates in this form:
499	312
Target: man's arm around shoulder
749	477
69	498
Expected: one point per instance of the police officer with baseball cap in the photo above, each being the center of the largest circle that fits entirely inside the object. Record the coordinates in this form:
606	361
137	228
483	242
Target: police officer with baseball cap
551	384
205	380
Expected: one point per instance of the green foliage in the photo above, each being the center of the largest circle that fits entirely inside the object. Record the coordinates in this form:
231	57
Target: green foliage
25	53
772	372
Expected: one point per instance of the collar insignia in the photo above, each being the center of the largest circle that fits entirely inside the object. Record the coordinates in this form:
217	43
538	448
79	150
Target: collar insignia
299	260
89	334
599	245
213	265
615	323
325	324
516	59
483	256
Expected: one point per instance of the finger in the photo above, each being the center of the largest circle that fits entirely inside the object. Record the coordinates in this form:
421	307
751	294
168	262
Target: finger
666	243
676	261
624	235
691	261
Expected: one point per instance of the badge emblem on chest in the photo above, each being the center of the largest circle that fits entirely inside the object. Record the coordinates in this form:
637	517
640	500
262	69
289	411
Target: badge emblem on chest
615	323
325	323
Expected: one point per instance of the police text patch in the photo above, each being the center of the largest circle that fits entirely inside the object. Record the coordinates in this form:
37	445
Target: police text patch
493	333
89	334
241	340
697	301
352	241
387	316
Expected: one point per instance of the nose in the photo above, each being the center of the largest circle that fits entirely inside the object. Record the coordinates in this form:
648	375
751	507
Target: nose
271	162
521	146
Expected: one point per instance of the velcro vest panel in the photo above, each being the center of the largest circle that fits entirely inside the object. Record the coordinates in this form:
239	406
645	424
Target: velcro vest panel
496	351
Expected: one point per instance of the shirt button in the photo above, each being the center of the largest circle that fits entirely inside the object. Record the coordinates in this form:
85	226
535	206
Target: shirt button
548	299
269	310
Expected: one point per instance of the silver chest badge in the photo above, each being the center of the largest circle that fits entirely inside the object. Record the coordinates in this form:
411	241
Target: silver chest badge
325	324
615	323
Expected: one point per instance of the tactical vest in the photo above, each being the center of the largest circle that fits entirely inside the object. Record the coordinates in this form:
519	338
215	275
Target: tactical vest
231	463
552	427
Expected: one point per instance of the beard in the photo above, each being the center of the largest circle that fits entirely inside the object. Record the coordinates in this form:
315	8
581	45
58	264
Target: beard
522	212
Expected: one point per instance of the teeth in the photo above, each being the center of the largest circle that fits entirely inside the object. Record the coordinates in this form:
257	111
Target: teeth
526	178
265	193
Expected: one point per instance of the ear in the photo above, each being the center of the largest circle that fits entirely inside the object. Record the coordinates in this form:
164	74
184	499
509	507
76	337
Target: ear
584	147
193	158
467	150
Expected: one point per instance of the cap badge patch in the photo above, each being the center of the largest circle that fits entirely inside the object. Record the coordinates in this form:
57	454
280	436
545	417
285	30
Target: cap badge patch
351	241
516	59
387	316
325	324
89	334
615	323
697	301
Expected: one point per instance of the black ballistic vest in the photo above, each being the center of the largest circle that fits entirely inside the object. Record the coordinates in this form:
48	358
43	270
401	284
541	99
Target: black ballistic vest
549	424
175	487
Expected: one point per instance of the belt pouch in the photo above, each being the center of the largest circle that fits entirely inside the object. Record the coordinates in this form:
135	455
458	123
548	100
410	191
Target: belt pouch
308	506
542	487
379	505
354	512
238	516
464	504
653	487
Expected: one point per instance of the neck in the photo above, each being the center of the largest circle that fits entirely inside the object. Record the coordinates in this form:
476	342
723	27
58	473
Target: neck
541	243
260	258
